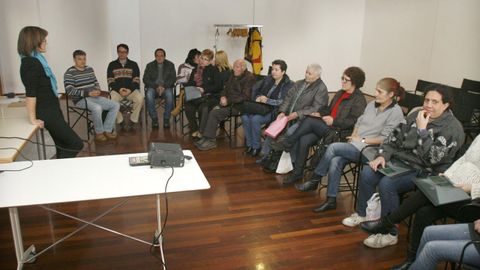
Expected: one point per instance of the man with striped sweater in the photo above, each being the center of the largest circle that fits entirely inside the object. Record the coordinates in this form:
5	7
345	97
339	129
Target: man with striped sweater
82	85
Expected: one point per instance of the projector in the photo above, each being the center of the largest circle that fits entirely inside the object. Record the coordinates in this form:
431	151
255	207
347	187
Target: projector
165	155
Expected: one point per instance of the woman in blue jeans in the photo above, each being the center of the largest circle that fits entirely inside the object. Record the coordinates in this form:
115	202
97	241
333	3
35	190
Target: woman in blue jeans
271	92
428	142
380	117
444	243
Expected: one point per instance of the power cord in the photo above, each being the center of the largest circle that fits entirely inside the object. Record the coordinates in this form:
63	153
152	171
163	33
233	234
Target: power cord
160	234
20	153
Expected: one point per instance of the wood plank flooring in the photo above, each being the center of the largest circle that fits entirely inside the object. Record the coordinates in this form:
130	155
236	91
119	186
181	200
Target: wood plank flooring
247	220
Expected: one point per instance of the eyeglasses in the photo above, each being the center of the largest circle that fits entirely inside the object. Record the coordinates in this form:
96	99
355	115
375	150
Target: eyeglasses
345	79
122	51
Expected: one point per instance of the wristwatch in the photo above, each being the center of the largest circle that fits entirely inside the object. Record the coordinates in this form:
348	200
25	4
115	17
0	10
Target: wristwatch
363	140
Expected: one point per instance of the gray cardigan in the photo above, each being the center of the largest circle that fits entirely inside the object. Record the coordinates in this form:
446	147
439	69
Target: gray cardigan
311	100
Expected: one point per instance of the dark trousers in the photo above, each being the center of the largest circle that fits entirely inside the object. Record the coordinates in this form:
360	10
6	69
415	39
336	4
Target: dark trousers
201	106
216	116
307	134
67	142
425	214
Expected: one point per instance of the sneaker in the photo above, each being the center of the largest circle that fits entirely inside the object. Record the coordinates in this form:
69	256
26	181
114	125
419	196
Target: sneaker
208	144
154	124
381	240
353	220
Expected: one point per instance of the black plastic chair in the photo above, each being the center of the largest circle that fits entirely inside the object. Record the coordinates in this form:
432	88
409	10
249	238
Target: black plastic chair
422	85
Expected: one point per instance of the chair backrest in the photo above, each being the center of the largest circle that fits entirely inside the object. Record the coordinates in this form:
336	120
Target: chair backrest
411	101
423	85
465	104
471	85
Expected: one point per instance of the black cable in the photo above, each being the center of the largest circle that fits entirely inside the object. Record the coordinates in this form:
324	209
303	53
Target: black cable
20	153
157	238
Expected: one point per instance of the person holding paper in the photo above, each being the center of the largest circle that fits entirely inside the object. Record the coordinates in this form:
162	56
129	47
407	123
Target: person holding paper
342	113
464	173
428	143
380	117
304	97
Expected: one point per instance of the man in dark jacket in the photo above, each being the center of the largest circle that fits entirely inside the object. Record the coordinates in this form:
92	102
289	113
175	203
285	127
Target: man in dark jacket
123	77
237	89
159	79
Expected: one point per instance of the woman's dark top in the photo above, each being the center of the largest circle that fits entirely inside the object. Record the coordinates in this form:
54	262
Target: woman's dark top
37	84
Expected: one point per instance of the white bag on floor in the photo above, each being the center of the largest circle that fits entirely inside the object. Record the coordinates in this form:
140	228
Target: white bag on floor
285	164
374	208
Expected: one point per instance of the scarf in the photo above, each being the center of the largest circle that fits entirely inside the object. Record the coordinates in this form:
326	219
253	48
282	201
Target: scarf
47	69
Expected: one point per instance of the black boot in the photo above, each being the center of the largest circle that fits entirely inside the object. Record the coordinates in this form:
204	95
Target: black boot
383	226
310	185
330	204
408	262
297	174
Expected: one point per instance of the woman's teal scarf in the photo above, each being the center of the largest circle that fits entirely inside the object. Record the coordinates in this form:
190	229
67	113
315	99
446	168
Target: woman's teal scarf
47	69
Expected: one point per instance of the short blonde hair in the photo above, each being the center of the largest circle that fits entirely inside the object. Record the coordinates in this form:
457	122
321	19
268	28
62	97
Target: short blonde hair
208	53
221	61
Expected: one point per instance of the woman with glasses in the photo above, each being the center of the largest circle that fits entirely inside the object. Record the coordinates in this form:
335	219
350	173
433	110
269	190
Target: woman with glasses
40	84
342	113
207	81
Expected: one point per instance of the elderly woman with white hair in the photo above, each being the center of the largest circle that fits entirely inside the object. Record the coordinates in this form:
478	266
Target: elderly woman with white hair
304	98
342	113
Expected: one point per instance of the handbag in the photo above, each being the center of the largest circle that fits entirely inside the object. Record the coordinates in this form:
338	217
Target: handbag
270	163
252	107
276	127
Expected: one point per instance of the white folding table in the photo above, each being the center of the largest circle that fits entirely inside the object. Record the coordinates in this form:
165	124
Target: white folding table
84	179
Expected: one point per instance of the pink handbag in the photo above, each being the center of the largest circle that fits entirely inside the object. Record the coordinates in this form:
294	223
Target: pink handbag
276	127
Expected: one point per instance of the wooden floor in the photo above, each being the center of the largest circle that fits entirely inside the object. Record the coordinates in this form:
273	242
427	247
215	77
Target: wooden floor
247	220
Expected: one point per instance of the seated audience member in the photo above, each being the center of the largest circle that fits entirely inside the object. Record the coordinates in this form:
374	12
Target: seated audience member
221	62
271	91
123	76
380	117
342	113
464	173
303	98
183	76
206	78
159	79
444	243
237	89
428	143
81	83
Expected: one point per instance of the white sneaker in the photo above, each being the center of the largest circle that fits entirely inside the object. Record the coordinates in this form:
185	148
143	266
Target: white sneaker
353	220
381	240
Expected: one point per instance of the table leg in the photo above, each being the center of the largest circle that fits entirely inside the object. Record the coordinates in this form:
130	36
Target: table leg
159	230
37	139
22	256
42	133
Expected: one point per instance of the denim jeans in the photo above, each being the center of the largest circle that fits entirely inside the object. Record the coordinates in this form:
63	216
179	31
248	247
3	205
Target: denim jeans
444	243
389	188
252	125
150	96
336	157
96	105
268	141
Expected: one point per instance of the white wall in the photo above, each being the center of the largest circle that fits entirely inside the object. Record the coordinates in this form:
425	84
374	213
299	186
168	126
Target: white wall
431	39
434	40
71	25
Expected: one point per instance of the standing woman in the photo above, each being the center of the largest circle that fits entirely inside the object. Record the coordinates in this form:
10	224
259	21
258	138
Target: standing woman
40	84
